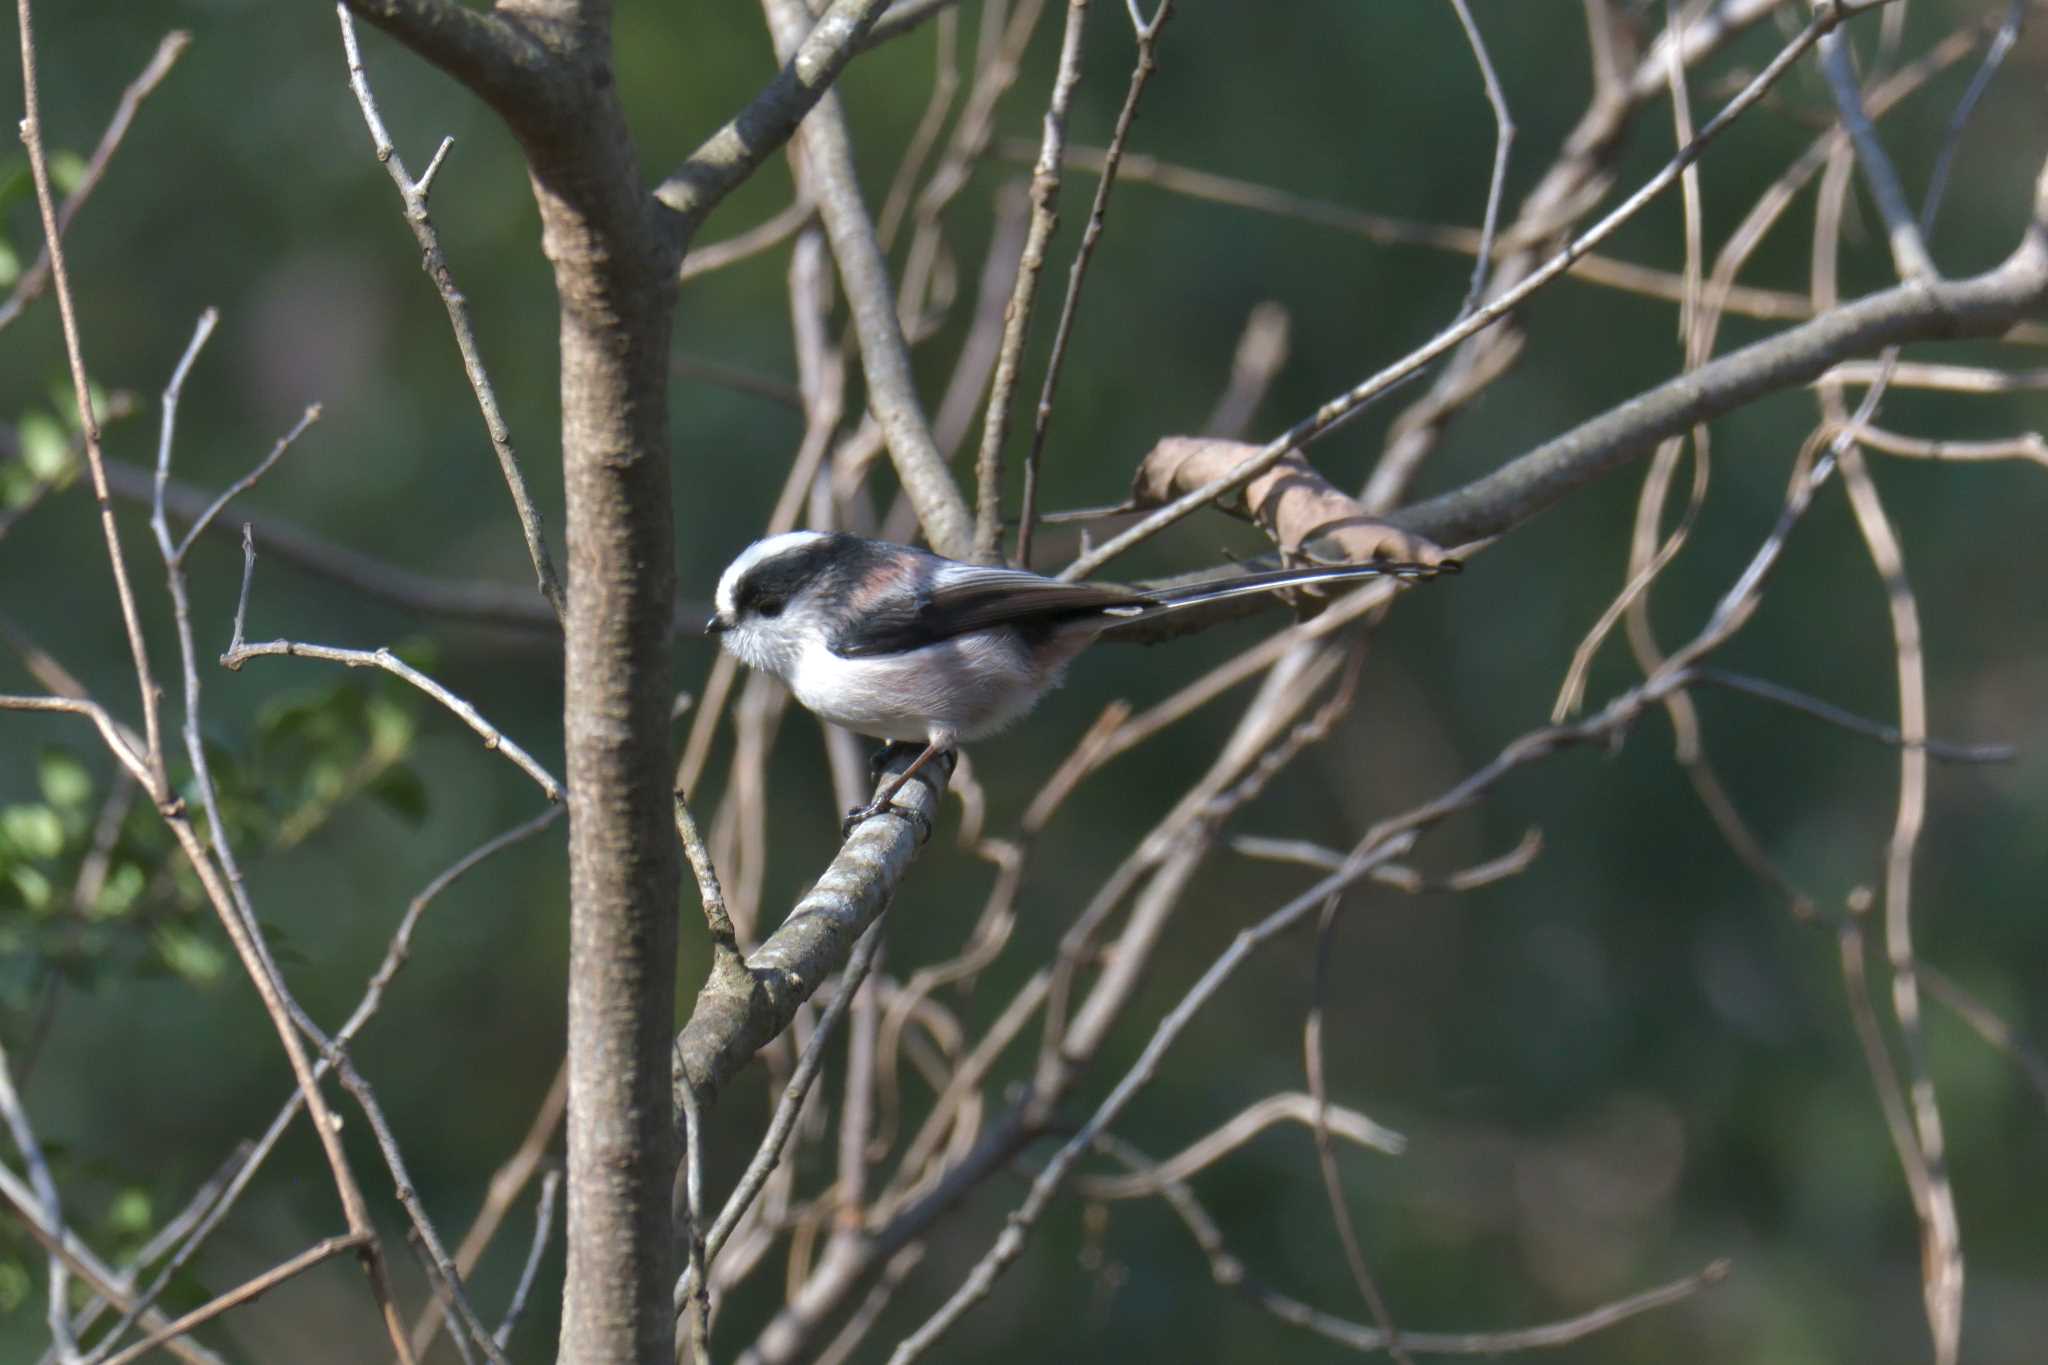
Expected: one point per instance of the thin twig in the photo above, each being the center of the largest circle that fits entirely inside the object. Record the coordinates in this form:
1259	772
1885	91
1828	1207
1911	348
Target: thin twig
766	236
769	1154
1909	248
1319	1124
2002	42
725	947
1503	141
79	1261
892	392
1045	217
543	1225
81	392
241	1294
34	279
413	193
1987	1025
510	1179
1386	230
693	1330
1077	274
1011	1241
1289	1106
161	1242
52	1211
1946	751
1337	410
241	485
220	877
240	651
1923	1155
1230	1273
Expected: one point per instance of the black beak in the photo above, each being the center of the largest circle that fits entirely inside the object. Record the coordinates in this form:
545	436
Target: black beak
715	626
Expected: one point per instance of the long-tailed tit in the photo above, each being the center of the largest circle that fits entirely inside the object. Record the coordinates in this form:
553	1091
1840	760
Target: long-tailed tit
908	646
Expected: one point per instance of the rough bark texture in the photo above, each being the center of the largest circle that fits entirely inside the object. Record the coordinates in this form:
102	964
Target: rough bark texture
615	271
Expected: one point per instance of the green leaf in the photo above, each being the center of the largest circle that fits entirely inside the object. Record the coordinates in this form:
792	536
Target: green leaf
45	447
67	170
32	886
392	726
33	830
118	894
15	1285
17	484
130	1211
400	790
15	181
10	264
65	781
310	717
193	957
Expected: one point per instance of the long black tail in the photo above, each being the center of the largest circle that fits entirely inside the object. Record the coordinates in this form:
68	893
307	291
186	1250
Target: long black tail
1273	580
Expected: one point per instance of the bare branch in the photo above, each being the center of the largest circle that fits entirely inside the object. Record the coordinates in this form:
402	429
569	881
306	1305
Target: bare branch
79	1260
413	193
727	968
50	1211
1230	1273
764	236
543	1225
1386	230
33	280
506	1185
240	651
81	391
1909	249
1045	217
729	1025
1077	274
1048	1181
1982	305
2018	294
1326	1156
735	151
243	1293
1289	1106
1988	1026
501	605
490	53
1503	141
769	1154
892	392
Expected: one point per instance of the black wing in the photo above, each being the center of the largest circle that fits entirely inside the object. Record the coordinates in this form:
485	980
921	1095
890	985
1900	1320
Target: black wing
953	599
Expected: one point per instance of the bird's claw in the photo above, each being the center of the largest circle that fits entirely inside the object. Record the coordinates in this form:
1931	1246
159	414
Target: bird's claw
885	804
916	819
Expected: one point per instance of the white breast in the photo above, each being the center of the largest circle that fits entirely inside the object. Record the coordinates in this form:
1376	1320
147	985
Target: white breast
963	688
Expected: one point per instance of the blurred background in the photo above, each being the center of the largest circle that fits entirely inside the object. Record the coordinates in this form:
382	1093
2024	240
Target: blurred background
1625	1063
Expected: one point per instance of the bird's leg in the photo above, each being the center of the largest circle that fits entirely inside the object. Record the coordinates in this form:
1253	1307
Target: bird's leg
879	759
885	800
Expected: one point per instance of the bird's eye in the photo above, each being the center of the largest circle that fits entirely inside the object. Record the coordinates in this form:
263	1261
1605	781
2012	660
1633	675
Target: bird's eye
769	606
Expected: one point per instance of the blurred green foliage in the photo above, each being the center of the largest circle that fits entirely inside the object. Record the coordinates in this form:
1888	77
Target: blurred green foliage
1612	1069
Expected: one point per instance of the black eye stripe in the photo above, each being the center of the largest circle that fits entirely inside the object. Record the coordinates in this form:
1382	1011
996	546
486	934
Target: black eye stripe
781	579
777	580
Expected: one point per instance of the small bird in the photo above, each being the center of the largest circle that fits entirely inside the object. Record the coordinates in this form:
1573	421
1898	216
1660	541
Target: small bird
909	646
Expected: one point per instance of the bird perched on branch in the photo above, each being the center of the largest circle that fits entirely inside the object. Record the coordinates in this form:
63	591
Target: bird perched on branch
912	647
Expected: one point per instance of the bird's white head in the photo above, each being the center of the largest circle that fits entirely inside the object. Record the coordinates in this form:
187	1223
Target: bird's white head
764	595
